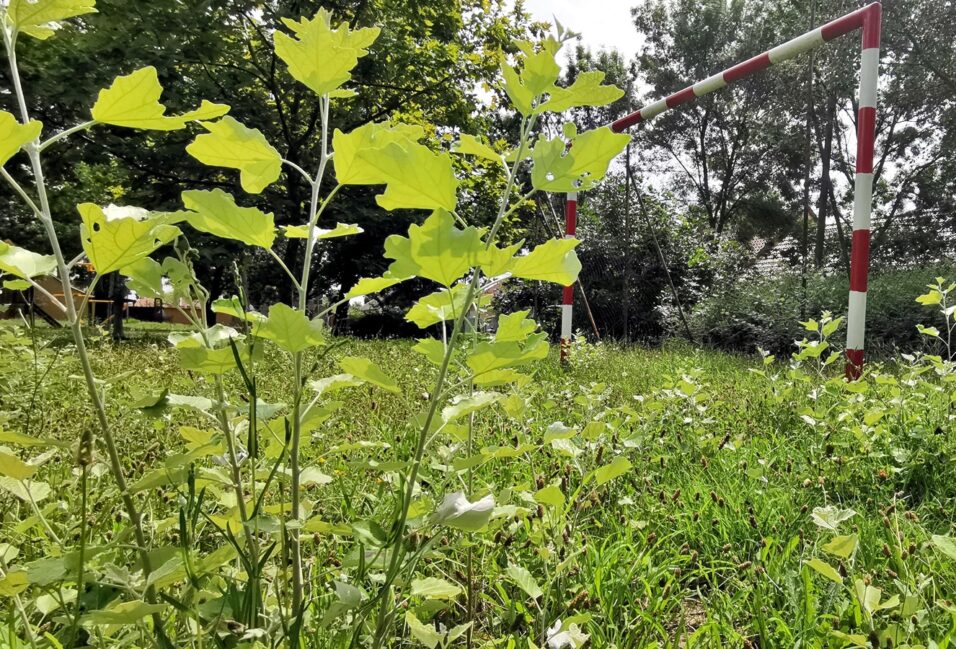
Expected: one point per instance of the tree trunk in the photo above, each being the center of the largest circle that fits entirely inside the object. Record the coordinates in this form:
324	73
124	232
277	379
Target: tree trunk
825	153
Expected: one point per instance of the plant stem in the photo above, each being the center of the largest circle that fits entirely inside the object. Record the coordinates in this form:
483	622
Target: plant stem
46	219
398	552
295	545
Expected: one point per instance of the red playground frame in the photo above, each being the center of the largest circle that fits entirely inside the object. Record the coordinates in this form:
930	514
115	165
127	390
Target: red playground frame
868	19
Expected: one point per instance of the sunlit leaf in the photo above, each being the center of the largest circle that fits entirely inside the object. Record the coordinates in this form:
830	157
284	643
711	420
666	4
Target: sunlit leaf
457	512
514	327
216	212
41	18
111	244
825	569
467	404
842	546
830	517
26	490
123	613
23	263
320	57
13	467
368	371
133	101
13	135
302	231
618	467
558	167
423	633
946	545
490	356
232	145
349	170
585	91
434	588
551	261
290	329
550	495
436	250
415	177
471	145
369	285
523	579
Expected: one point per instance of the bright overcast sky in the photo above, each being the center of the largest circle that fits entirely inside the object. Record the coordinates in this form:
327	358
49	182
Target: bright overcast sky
601	23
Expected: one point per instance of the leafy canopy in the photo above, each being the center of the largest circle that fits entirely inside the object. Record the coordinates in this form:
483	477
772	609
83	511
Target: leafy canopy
133	101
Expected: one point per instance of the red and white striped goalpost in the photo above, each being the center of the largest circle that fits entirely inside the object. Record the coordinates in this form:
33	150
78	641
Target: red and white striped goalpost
868	20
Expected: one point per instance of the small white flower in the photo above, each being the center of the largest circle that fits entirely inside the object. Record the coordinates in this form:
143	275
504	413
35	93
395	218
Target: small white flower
457	512
570	638
117	212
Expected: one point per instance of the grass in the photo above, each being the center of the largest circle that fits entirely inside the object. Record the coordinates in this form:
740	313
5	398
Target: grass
704	542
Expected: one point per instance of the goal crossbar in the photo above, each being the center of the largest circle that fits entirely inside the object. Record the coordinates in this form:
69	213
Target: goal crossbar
866	19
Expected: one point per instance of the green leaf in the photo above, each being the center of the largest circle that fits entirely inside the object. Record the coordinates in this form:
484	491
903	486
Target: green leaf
216	212
932	298
415	177
26	490
830	517
13	135
498	261
369	285
439	306
560	168
471	145
464	405
230	144
552	261
842	546
13	583
19	439
133	101
145	277
349	170
340	230
540	71
432	349
435	250
524	580
550	495
13	467
825	569
320	57
40	18
585	91
423	633
514	327
618	467
521	97
434	588
123	613
290	329
23	263
207	352
368	371
112	243
490	356
946	545
457	512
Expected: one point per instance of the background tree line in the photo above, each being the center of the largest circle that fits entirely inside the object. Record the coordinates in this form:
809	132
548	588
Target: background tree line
716	200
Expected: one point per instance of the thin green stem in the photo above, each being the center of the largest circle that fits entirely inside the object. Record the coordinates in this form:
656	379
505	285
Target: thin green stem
115	462
398	551
67	133
282	265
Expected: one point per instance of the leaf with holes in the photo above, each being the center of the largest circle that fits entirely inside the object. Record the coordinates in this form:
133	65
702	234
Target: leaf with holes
112	243
216	212
577	165
232	145
133	101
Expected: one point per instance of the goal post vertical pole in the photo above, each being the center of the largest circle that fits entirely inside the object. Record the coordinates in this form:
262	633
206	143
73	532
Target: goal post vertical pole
567	298
863	191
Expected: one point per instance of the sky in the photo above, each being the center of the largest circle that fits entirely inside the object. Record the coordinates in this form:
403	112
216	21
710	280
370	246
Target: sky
601	23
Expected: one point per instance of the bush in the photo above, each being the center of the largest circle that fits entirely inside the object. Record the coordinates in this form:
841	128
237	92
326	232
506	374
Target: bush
764	312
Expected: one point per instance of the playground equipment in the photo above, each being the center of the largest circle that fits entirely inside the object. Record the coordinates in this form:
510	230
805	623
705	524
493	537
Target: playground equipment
866	19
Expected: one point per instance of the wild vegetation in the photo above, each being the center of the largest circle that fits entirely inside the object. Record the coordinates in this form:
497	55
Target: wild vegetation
250	480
